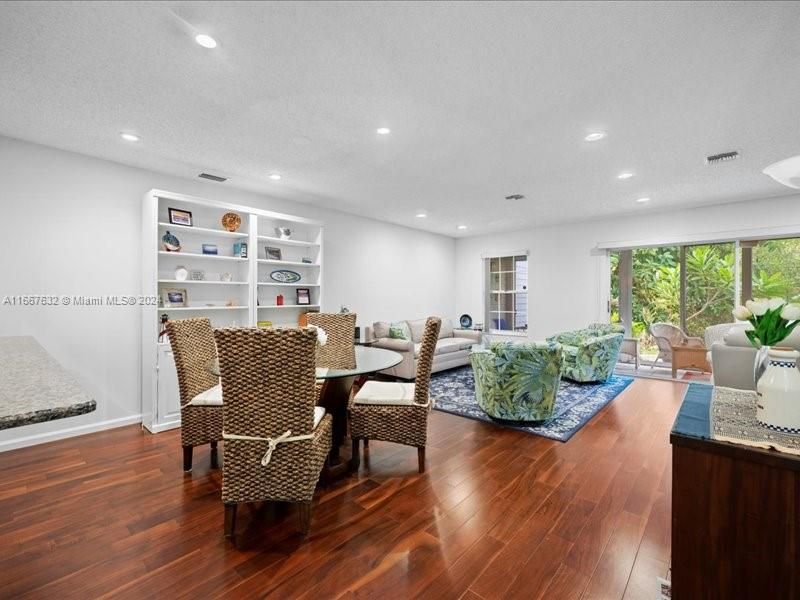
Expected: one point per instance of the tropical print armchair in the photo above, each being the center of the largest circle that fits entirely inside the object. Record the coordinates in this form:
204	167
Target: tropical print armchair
517	382
590	354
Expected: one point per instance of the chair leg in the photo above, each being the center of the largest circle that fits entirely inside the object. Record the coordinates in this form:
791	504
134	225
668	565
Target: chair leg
187	458
230	519
214	456
366	444
355	459
304	510
421	459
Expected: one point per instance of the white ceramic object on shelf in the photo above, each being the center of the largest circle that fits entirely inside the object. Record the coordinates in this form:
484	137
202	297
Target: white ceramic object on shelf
181	273
778	404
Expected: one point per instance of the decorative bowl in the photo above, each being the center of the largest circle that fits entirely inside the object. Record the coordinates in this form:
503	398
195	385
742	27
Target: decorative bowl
231	221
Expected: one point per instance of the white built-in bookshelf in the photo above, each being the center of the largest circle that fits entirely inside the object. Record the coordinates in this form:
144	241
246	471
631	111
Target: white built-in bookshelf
229	289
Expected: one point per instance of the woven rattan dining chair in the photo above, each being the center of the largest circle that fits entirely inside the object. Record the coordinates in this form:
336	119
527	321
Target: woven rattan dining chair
339	350
276	440
193	347
394	411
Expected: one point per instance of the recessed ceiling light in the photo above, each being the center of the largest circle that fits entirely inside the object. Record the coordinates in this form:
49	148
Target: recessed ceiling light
129	137
275	176
461	227
643	200
625	175
420	215
206	41
383	131
595	135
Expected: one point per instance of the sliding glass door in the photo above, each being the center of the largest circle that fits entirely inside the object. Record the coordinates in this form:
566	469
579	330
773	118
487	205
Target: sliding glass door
694	286
771	268
690	287
708	286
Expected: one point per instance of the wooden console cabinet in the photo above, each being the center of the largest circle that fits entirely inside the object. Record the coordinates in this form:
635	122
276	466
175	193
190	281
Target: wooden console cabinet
735	522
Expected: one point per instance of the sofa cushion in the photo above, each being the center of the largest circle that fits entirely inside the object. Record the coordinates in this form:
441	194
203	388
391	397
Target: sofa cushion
211	397
392	393
380	329
417	329
737	337
446	330
400	331
453	344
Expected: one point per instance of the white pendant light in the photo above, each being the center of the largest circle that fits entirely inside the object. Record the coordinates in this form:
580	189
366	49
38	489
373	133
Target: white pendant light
786	172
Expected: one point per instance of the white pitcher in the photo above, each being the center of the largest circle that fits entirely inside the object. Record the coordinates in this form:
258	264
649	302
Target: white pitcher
778	405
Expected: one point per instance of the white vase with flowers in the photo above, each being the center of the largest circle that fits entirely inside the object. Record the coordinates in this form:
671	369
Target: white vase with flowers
776	370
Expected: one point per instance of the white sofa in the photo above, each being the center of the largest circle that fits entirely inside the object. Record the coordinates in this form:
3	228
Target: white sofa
733	359
452	349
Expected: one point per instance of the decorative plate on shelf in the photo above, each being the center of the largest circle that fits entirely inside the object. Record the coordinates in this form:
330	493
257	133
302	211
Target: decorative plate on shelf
181	273
285	276
465	321
231	221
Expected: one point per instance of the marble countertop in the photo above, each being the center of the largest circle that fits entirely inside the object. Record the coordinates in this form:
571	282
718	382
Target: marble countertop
34	387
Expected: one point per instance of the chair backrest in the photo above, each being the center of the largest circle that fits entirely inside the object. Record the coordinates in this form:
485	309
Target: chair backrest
267	380
339	351
425	361
666	335
193	347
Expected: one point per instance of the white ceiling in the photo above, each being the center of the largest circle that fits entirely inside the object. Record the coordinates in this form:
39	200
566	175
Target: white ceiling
484	100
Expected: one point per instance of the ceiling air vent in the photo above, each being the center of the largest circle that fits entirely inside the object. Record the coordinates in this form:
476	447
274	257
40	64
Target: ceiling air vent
212	177
515	197
718	158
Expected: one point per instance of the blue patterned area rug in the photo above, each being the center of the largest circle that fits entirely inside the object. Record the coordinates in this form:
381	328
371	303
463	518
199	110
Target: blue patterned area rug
576	403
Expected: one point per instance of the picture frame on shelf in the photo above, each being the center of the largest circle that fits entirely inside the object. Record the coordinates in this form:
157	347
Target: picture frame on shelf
306	261
178	216
210	249
303	296
197	275
273	253
174	298
240	249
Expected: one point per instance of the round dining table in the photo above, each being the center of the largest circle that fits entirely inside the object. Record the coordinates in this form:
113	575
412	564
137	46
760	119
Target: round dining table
338	384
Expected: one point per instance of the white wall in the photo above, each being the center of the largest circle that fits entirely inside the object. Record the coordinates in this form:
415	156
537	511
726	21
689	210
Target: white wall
568	278
71	225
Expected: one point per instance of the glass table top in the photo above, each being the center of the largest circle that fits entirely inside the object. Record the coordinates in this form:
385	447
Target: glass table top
368	360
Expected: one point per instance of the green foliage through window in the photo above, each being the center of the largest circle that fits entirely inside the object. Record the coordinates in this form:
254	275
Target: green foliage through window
710	293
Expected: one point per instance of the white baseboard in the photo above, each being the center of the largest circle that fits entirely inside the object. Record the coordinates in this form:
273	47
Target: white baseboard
60	434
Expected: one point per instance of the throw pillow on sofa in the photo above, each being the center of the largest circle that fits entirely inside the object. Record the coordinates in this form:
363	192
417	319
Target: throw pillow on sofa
446	330
399	331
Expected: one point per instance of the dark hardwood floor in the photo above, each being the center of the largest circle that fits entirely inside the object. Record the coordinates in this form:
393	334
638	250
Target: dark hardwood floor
498	514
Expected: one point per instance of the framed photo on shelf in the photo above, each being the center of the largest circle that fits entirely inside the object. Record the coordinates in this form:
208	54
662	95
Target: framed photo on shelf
174	298
210	249
303	296
180	217
273	253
